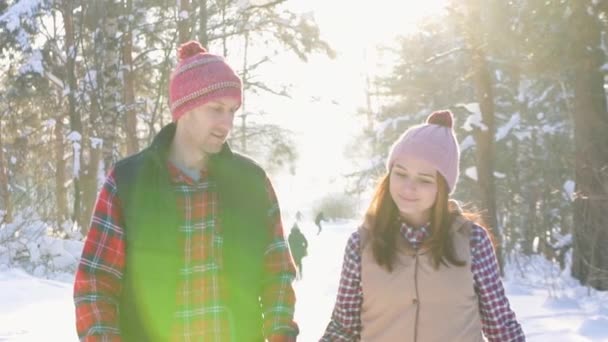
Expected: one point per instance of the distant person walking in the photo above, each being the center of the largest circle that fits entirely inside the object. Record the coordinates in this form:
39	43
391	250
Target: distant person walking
320	217
298	246
298	216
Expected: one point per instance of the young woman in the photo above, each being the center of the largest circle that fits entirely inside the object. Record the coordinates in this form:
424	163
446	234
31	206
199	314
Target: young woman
418	269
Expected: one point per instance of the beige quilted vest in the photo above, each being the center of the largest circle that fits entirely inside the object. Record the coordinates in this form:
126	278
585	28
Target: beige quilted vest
417	303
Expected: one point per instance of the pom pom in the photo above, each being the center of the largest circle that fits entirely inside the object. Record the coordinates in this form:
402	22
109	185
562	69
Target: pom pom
190	49
442	118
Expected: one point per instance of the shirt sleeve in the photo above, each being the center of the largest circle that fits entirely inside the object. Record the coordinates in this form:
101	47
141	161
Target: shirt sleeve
278	297
345	324
498	320
98	281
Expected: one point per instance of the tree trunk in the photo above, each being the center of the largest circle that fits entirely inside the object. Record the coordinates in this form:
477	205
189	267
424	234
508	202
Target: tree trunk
183	21
89	185
243	110
75	120
89	182
60	176
129	84
484	139
6	195
224	26
590	257
203	37
110	81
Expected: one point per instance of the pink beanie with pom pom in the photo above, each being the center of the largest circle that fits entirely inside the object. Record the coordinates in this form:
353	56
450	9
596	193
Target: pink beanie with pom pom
433	142
200	77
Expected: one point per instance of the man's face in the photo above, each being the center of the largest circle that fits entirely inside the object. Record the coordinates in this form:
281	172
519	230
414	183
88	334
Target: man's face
207	126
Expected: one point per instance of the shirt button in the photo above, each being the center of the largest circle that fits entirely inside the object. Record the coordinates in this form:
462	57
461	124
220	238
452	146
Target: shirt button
415	301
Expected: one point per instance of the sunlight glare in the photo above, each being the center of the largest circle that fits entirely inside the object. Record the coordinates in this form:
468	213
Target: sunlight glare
326	93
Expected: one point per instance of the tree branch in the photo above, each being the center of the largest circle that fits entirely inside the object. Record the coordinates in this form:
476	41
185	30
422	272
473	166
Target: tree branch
444	54
264	6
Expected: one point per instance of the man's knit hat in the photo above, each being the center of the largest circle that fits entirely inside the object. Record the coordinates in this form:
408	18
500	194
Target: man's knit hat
433	142
200	77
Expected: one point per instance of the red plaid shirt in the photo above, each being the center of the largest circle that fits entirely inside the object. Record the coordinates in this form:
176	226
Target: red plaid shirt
200	313
498	320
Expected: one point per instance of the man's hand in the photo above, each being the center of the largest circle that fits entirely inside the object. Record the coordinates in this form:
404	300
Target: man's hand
281	338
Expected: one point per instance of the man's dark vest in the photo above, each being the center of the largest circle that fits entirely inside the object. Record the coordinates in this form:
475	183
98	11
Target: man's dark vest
153	255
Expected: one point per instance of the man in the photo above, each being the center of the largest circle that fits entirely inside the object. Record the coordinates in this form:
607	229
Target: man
186	241
298	246
320	218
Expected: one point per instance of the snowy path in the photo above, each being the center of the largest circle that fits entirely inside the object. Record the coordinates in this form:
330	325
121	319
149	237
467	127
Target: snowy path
33	309
544	319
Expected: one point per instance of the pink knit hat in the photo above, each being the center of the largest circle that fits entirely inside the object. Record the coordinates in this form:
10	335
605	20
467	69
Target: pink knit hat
200	77
433	142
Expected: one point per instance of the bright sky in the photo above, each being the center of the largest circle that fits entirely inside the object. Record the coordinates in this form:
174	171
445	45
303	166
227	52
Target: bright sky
327	92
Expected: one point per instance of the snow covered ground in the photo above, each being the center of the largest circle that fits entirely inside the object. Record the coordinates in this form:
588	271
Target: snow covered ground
551	306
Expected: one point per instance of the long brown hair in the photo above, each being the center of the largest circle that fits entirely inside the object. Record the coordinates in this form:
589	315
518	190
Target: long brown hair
381	220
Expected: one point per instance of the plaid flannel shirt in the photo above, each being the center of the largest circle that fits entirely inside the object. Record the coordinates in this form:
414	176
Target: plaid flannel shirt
200	313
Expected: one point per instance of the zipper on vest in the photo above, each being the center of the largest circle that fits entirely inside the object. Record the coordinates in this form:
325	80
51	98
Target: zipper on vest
416	300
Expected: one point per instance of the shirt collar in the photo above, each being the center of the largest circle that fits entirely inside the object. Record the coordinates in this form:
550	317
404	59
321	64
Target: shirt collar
179	176
415	236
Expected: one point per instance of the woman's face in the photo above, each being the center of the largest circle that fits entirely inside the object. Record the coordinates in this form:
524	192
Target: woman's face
413	187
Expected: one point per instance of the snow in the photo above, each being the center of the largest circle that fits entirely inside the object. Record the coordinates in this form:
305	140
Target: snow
35	309
23	8
561	240
96	143
392	122
467	143
474	119
504	130
536	101
569	187
550	129
75	138
33	64
499	175
50	123
550	305
245	4
91	78
523	135
471	172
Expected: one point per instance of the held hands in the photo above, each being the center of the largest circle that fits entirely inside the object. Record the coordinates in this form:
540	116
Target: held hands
281	338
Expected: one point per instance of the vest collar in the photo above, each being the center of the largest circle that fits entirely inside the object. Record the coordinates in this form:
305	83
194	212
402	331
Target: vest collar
161	146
